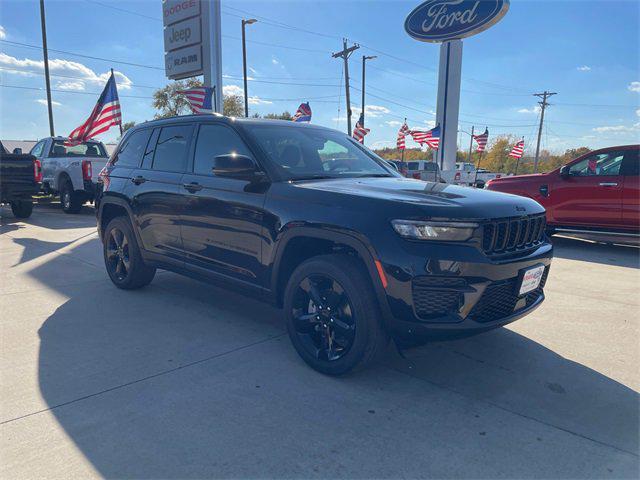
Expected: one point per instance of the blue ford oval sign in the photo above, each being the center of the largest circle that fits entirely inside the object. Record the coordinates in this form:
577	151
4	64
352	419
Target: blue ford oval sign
442	20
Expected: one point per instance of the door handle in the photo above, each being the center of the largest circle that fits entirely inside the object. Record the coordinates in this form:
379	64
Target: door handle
138	180
192	187
609	184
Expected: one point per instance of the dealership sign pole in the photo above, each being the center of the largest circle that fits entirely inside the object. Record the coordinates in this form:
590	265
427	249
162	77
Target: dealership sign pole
192	43
447	22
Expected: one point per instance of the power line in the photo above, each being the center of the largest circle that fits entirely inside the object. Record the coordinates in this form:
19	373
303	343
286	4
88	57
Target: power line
3	85
37	47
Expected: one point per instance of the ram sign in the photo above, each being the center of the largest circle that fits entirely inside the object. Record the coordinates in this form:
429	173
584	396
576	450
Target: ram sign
443	20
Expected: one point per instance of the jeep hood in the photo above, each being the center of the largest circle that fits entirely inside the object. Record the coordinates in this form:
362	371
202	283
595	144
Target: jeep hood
433	199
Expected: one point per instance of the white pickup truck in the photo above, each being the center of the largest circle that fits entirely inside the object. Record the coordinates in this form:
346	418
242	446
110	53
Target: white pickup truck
70	171
465	174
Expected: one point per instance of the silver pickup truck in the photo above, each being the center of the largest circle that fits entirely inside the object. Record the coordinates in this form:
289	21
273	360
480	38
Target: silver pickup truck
70	171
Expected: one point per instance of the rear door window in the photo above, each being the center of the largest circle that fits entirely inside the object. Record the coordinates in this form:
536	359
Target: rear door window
171	148
412	166
130	154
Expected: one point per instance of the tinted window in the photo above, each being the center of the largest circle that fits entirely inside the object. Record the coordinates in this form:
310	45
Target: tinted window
631	163
601	164
171	149
412	165
131	152
306	152
36	151
214	140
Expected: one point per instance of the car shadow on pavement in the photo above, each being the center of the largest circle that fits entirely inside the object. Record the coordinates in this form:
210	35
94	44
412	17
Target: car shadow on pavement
598	252
183	380
48	216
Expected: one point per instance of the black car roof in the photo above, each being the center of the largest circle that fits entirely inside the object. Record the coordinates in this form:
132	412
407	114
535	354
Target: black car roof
228	120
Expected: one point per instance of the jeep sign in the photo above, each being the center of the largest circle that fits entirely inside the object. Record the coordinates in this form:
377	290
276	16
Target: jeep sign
444	20
182	34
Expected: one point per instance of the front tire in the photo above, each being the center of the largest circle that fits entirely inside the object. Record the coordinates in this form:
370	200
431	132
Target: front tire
70	199
332	314
122	257
22	208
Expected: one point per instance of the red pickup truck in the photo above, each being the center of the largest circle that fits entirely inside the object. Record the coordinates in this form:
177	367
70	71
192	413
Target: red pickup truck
597	192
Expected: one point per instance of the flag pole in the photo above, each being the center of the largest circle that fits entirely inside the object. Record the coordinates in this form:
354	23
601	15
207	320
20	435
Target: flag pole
114	81
475	179
471	144
405	146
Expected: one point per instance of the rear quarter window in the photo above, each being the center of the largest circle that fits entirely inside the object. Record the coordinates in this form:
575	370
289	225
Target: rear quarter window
171	148
131	152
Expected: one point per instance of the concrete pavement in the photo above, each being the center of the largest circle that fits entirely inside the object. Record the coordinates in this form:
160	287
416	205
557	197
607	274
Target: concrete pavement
184	380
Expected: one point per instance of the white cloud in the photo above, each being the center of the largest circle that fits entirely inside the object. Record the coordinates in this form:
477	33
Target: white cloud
584	68
234	90
78	71
375	110
73	85
3	33
535	109
237	91
618	129
430	123
634	87
43	101
258	101
638	112
275	61
393	123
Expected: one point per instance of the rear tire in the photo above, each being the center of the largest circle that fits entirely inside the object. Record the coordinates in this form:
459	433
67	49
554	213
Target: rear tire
122	257
71	200
22	208
337	340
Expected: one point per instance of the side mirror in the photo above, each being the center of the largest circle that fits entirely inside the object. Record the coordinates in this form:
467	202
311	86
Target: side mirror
564	171
234	165
17	151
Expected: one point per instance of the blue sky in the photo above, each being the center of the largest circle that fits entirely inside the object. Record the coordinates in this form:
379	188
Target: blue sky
588	52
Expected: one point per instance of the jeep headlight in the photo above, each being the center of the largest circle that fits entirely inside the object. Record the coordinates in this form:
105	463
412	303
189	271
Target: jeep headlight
440	231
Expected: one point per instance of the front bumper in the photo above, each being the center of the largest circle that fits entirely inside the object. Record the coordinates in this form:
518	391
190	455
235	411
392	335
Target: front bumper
448	291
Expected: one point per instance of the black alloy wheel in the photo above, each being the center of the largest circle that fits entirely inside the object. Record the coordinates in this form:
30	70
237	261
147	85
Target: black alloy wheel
333	316
323	317
117	252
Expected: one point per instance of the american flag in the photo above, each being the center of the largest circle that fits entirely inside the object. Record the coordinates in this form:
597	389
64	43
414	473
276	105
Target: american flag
359	132
482	140
200	99
404	129
517	150
303	114
430	137
105	115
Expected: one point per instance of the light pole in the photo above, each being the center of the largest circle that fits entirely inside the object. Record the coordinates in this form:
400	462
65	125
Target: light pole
364	59
244	64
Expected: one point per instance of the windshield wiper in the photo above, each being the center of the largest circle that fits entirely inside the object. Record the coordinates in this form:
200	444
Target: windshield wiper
313	177
375	175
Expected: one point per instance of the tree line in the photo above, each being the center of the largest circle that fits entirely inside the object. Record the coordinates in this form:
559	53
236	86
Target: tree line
496	158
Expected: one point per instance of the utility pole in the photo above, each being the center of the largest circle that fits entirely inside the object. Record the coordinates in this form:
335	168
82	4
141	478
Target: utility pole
46	67
364	59
345	53
543	104
471	144
244	64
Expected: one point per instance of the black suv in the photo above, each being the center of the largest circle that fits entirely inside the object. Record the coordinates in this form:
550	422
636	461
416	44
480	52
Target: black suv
307	218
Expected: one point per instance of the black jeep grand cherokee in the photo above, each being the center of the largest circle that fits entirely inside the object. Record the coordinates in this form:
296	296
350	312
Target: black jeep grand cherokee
306	218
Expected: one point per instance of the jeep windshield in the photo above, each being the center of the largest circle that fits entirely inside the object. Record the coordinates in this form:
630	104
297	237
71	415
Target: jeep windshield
316	153
87	149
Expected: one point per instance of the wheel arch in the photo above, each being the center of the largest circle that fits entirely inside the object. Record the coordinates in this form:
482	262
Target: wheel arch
301	243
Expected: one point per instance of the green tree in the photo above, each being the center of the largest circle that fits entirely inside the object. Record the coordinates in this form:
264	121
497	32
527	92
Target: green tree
170	103
127	125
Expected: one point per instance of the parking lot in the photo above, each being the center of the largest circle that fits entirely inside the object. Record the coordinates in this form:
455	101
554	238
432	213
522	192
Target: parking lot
183	380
